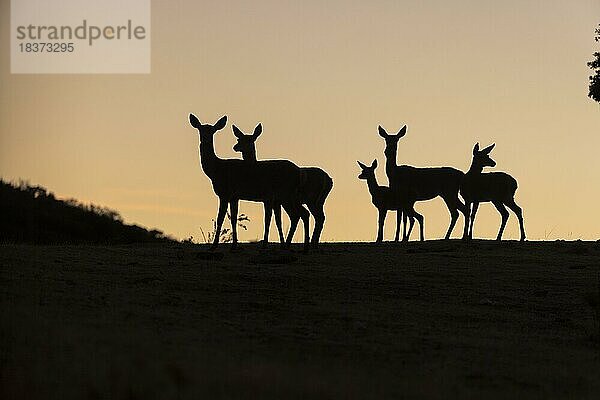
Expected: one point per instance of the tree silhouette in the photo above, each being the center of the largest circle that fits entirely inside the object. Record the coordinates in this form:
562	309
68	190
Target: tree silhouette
595	66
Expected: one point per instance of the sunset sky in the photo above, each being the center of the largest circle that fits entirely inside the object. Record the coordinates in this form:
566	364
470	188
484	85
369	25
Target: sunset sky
320	76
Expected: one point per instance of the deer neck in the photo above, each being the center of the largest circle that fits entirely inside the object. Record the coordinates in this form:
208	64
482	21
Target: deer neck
372	184
391	153
249	155
208	158
474	169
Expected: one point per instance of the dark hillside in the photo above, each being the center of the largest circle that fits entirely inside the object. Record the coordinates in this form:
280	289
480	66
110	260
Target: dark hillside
32	214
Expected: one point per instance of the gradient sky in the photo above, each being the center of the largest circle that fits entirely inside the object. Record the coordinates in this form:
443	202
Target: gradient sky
321	76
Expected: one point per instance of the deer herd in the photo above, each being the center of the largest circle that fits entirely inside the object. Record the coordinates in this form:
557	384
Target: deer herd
282	184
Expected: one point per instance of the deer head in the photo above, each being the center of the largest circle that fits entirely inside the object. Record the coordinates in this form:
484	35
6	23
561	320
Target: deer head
391	141
367	172
245	143
481	158
207	131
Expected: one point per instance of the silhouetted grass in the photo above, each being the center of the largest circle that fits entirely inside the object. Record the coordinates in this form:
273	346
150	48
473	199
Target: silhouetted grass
226	234
32	214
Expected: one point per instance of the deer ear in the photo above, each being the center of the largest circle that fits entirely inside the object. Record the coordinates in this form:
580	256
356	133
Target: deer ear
361	165
488	149
194	121
476	148
382	132
221	123
402	131
238	134
257	131
374	164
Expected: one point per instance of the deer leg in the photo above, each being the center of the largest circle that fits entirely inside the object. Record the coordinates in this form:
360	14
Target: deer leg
268	211
519	213
465	210
305	215
296	212
411	225
405	233
399	215
472	219
294	218
412	215
380	223
319	214
419	218
467	221
220	217
504	213
233	207
453	208
277	212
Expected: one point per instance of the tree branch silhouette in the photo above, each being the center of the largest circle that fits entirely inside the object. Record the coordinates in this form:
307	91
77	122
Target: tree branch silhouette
595	67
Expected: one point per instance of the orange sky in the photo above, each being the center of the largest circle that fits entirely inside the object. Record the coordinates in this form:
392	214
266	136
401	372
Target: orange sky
321	76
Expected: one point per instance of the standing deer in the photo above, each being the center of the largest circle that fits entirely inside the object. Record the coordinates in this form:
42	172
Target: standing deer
496	187
314	191
274	182
412	184
385	200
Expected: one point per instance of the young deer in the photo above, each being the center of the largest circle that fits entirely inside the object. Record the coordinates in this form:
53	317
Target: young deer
385	200
274	182
314	191
418	184
496	187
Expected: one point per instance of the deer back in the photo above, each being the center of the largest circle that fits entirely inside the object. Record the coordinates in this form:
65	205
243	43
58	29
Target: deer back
269	180
425	183
490	186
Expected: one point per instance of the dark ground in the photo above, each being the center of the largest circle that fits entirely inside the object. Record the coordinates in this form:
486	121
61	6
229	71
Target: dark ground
427	320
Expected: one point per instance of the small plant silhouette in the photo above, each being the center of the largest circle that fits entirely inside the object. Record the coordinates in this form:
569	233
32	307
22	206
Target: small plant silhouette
548	233
226	234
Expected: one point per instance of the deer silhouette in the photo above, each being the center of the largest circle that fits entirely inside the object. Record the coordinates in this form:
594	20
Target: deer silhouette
385	200
314	191
412	184
496	187
274	182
